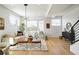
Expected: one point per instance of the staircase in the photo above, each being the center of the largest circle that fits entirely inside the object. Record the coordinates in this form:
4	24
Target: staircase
74	48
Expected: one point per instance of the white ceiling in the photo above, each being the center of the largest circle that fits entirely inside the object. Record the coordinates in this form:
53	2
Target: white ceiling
39	10
58	9
32	10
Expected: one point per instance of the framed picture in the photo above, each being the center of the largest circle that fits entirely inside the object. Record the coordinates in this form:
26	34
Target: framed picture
1	23
48	25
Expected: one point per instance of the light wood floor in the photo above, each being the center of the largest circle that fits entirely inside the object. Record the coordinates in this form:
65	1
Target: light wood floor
56	46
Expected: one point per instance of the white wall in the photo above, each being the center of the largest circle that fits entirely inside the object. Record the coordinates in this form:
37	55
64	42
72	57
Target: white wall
72	16
54	31
9	28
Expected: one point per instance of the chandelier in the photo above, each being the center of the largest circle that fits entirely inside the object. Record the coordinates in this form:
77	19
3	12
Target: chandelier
25	10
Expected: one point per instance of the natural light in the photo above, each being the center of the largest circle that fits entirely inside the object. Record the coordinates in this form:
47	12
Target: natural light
56	22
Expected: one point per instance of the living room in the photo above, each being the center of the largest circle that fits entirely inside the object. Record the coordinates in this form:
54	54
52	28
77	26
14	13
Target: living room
38	27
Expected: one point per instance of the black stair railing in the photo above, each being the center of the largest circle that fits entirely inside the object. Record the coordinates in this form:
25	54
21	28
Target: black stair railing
75	32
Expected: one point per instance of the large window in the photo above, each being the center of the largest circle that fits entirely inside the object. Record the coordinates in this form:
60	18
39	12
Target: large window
35	26
56	22
14	20
32	25
41	25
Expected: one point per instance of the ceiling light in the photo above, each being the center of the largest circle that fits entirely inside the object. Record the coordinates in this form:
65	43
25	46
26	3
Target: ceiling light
25	10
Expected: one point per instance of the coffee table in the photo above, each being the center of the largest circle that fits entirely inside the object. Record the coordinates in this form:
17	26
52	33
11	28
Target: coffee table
30	42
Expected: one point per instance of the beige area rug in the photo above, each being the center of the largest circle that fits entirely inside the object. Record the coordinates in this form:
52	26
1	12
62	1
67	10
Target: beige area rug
33	46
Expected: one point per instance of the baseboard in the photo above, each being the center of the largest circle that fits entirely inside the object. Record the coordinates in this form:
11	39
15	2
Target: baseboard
56	37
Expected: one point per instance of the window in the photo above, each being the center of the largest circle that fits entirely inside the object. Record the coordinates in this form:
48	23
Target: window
32	25
41	25
56	22
35	26
14	20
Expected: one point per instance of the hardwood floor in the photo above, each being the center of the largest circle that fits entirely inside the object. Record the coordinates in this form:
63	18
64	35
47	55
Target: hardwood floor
56	46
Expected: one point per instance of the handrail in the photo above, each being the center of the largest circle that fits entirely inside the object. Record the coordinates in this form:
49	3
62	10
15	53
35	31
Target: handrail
72	28
75	24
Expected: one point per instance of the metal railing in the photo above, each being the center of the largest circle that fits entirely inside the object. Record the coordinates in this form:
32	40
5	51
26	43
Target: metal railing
75	32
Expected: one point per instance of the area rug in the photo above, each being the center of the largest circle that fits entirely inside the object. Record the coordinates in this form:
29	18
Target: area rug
33	46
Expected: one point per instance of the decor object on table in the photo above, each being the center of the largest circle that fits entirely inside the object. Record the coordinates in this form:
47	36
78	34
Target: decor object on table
30	38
